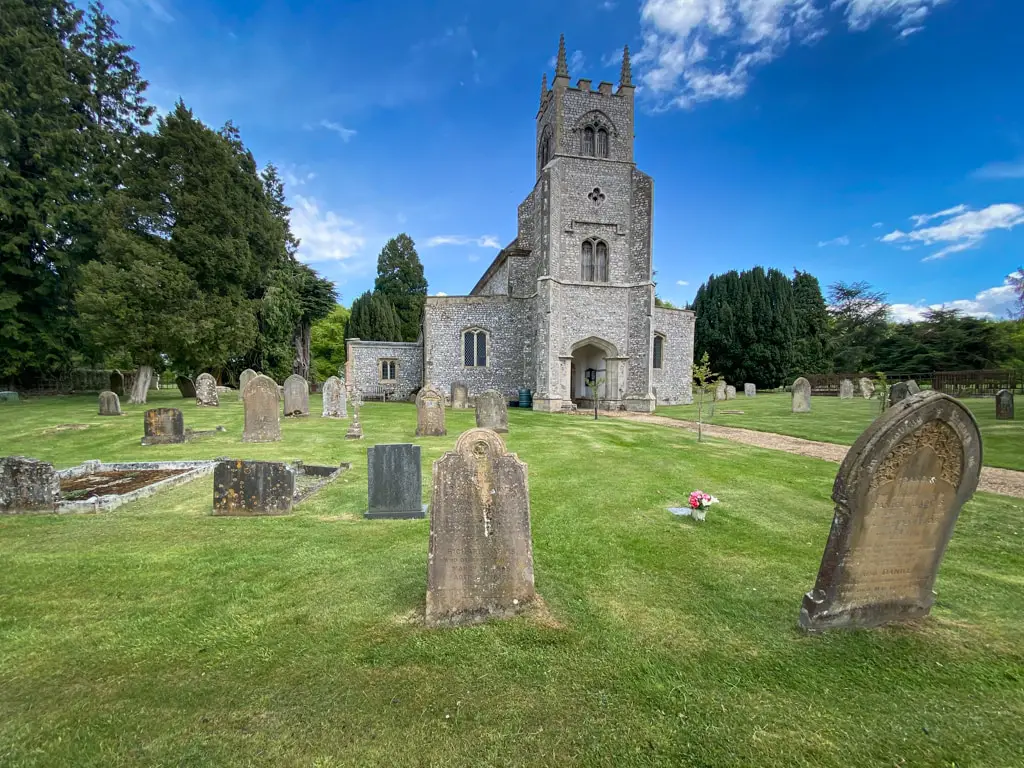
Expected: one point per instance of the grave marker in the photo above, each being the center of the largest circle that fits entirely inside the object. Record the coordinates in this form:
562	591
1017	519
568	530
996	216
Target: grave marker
262	412
27	485
460	395
1004	405
244	378
110	404
335	405
867	387
430	413
206	391
296	396
162	426
801	396
186	386
252	488
117	382
730	392
492	411
902	390
845	389
720	390
394	481
750	390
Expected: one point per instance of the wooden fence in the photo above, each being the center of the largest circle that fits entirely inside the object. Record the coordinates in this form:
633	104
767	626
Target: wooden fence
955	383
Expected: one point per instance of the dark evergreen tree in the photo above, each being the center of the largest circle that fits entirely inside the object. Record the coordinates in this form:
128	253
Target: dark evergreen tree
811	352
373	318
859	316
400	279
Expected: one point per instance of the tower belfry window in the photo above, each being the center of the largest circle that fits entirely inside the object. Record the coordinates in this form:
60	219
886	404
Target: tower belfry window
602	142
594	261
588	141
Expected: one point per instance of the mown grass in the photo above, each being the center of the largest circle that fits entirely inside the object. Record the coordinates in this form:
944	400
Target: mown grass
832	420
159	635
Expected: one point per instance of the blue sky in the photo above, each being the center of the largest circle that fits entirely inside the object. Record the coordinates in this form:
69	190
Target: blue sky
877	140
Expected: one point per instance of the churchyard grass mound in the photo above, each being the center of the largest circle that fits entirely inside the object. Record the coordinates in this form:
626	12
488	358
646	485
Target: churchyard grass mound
158	634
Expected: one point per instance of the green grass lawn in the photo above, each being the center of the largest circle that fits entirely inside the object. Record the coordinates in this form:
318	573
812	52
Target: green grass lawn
156	634
832	420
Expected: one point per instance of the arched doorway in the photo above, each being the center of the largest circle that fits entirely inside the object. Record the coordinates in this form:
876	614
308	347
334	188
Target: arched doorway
594	362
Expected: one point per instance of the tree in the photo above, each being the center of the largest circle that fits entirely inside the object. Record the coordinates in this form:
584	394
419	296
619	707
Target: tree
1017	281
705	379
665	303
400	279
316	301
328	343
811	352
859	324
372	318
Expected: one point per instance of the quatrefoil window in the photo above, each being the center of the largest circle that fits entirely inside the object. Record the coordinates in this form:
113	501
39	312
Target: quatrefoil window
597	196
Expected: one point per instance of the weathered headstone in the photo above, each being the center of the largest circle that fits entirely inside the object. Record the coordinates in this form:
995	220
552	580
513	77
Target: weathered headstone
901	390
262	411
110	404
898	494
394	481
27	485
801	396
8	396
154	381
296	396
244	378
1004	405
845	389
480	562
335	405
460	395
750	390
720	390
252	488
492	411
730	392
117	382
186	386
206	391
430	413
867	387
163	425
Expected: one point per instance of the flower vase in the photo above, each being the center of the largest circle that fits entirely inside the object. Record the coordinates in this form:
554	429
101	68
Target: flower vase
698	515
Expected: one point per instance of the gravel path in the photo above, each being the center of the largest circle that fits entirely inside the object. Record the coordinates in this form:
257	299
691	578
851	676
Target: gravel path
1007	482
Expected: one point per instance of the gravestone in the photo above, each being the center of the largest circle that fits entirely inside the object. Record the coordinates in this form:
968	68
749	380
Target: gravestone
430	413
460	395
117	382
492	411
244	378
1004	405
355	429
163	425
898	494
395	481
867	388
110	404
206	391
186	386
845	389
296	396
253	487
335	405
8	396
480	562
750	390
154	381
730	392
902	390
720	390
27	485
801	396
262	411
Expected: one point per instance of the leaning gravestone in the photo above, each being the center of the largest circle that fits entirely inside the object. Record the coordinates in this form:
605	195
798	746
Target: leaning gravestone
867	388
845	389
110	404
898	494
720	390
27	485
296	396
244	378
252	487
460	395
117	382
206	391
262	411
186	386
492	411
480	562
163	425
395	481
902	390
430	413
1004	405
801	396
750	390
335	405
730	392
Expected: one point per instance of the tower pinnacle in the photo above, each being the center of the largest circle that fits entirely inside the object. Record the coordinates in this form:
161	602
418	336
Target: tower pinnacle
561	68
626	77
543	87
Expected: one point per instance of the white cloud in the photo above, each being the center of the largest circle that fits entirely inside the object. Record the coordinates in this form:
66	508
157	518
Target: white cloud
961	229
682	282
994	303
697	50
843	240
484	241
440	293
293	176
878	224
1011	170
159	9
346	134
325	236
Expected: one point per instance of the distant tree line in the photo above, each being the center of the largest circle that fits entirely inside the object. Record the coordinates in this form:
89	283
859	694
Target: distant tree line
762	327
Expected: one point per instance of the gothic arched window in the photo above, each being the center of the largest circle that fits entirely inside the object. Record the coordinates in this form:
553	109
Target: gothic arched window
588	261
659	350
588	141
474	348
545	147
601	263
602	142
594	261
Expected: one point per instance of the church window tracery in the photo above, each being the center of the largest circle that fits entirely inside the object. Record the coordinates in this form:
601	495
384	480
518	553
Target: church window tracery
474	348
588	141
594	261
602	142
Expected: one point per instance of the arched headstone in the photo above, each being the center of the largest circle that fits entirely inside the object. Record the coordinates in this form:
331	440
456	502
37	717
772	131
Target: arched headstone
117	382
750	390
244	378
206	391
720	390
460	395
430	413
867	387
335	404
296	396
730	392
262	411
186	386
801	396
1004	405
110	404
845	389
492	411
898	494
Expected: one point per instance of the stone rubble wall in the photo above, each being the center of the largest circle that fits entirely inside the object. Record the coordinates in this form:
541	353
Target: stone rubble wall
362	369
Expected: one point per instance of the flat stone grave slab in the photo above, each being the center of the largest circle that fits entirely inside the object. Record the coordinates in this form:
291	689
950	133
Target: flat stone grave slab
94	486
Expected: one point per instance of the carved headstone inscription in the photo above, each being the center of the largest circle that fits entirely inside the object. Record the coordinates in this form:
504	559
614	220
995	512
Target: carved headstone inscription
460	395
27	485
335	404
720	389
480	561
244	378
117	382
898	494
867	388
750	390
845	389
430	413
296	396
801	396
492	411
163	425
186	386
110	404
394	481
1004	404
252	488
730	392
206	391
262	413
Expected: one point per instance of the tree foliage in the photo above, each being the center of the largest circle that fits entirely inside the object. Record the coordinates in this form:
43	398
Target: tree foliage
811	346
327	343
400	279
859	316
373	318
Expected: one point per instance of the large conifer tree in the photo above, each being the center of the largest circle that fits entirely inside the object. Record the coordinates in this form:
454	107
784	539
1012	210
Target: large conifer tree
400	279
811	352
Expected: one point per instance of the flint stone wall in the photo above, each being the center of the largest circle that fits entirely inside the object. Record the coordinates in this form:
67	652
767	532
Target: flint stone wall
362	366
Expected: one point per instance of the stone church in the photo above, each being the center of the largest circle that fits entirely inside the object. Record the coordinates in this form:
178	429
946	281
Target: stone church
569	304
